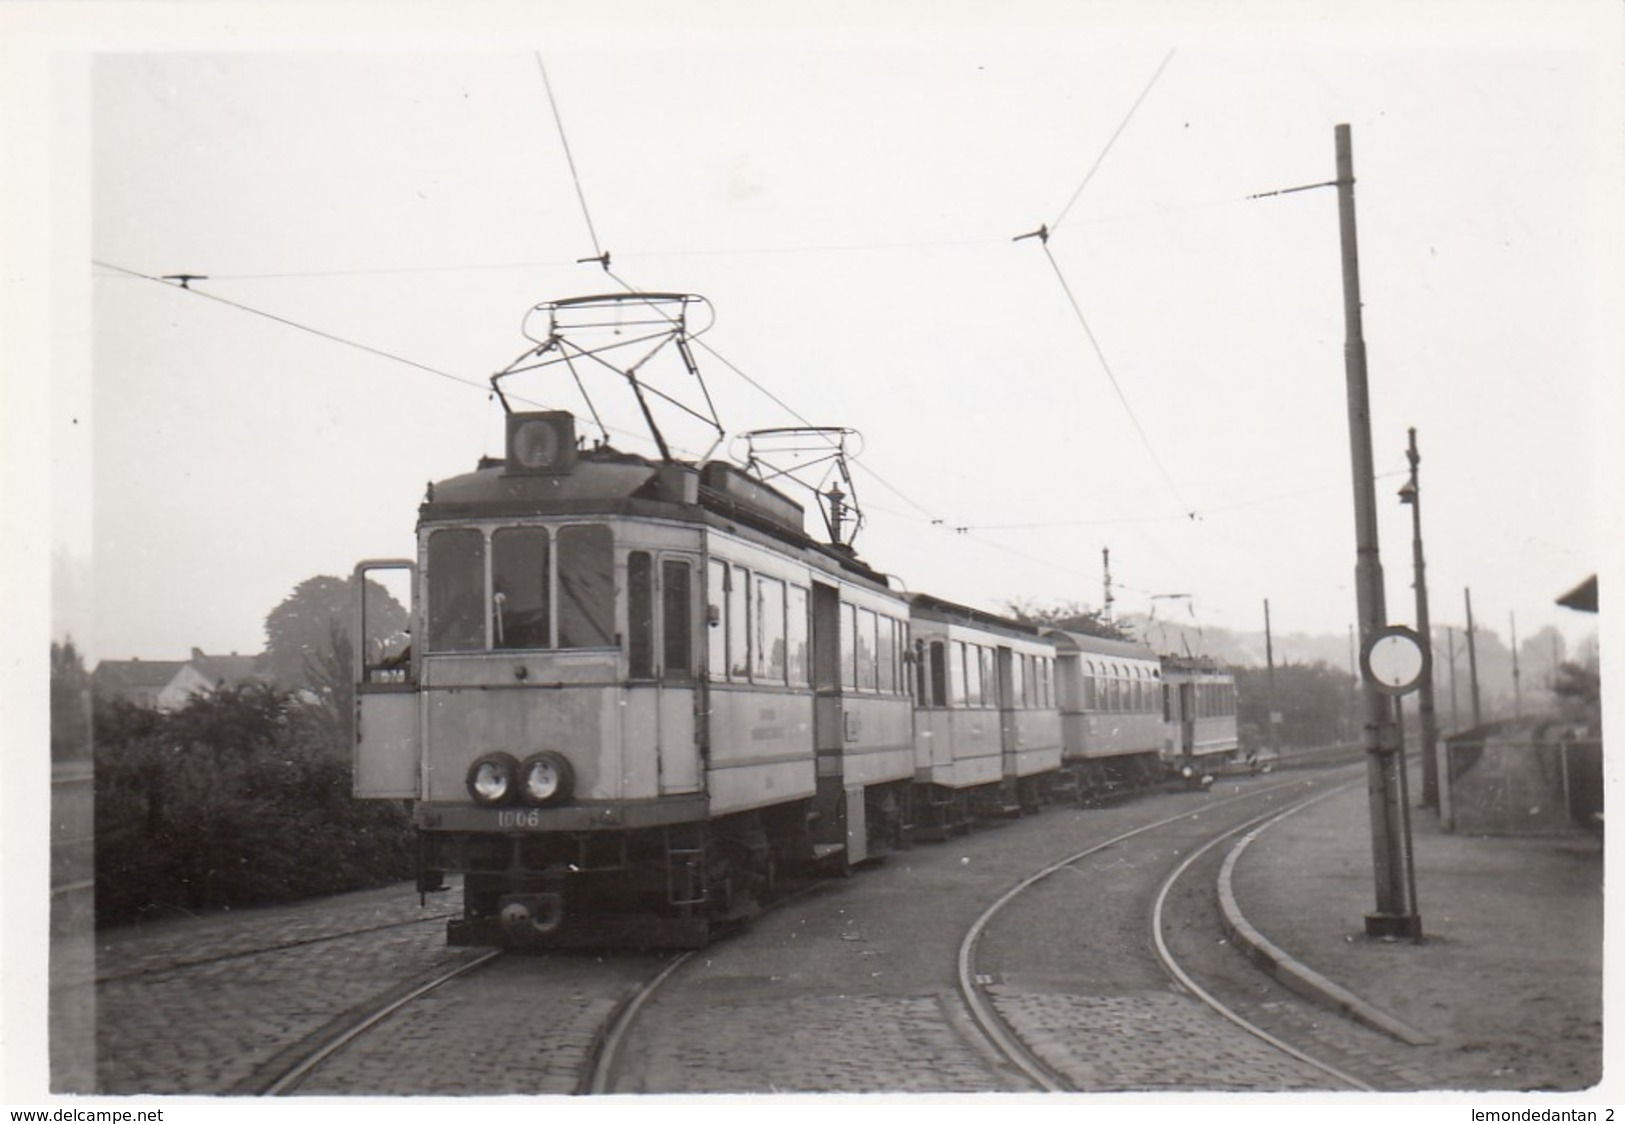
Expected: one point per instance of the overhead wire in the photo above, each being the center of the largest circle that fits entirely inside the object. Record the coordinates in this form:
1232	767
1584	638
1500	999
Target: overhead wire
1116	386
603	259
292	324
1043	234
183	286
1101	159
569	159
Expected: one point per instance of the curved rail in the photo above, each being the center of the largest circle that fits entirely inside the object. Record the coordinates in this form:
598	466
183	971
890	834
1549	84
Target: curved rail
609	1046
261	950
1172	966
291	1078
993	1028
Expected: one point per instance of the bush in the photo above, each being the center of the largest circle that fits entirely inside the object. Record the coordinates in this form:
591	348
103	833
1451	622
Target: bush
237	799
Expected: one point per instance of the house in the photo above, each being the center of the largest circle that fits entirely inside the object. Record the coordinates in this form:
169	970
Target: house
169	684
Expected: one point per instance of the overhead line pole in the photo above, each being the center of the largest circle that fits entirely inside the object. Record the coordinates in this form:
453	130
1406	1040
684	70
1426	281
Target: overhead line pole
1472	663
1412	494
1396	913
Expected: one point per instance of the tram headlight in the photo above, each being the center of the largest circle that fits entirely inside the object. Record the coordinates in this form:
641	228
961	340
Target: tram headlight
1187	772
546	778
493	778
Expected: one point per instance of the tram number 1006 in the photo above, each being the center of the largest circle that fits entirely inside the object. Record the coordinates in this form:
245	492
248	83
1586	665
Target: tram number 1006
519	817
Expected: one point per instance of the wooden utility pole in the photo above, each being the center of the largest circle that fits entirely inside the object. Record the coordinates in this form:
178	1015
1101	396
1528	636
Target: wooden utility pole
1472	664
1517	693
1396	913
1106	565
1455	715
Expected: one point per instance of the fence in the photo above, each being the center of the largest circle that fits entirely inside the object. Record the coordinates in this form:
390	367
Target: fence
1520	779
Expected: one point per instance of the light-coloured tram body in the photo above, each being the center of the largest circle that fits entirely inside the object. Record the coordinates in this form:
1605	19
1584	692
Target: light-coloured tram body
634	689
987	731
1110	698
1199	716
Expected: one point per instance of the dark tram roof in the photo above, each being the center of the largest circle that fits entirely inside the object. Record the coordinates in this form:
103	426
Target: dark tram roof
605	481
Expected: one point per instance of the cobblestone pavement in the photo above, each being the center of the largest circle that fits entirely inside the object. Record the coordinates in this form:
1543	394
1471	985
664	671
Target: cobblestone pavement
520	1025
817	1043
176	942
853	990
1158	1041
202	1007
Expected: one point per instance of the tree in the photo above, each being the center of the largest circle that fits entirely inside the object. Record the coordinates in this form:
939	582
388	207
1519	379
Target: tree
1312	699
300	632
70	704
1071	617
1578	687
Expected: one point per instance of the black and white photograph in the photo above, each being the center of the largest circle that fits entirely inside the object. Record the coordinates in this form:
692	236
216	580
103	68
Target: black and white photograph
887	555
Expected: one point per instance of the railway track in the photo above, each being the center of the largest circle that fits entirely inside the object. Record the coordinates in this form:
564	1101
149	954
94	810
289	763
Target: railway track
600	997
1010	1044
183	964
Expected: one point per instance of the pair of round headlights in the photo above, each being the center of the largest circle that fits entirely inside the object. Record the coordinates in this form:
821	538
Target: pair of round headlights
544	778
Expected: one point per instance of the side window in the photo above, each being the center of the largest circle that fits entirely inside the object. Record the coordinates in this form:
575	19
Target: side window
1018	680
956	673
796	633
886	655
739	624
849	647
716	592
640	615
586	566
677	615
868	625
973	675
769	629
454	578
1089	696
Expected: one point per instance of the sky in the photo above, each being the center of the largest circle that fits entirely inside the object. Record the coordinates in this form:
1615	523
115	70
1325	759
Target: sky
376	209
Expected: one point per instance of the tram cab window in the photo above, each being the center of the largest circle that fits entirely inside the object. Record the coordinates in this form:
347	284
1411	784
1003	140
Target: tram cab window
586	565
520	605
454	576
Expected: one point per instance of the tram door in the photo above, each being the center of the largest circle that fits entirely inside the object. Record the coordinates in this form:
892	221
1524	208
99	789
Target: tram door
1001	694
826	668
387	747
661	680
839	823
1187	718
